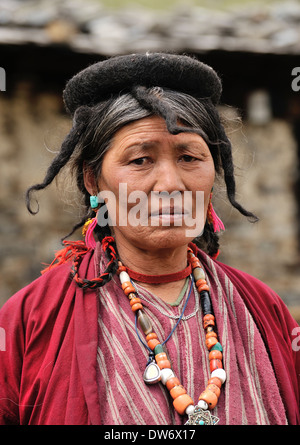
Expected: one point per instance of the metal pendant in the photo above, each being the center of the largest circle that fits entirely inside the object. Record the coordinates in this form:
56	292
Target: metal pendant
202	417
151	373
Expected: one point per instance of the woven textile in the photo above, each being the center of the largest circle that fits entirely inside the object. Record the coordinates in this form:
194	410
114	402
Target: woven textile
250	395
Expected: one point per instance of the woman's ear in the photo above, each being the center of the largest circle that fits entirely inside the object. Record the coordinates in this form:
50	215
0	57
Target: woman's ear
89	180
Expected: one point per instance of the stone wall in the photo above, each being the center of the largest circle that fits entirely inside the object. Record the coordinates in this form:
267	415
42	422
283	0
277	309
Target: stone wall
266	169
32	127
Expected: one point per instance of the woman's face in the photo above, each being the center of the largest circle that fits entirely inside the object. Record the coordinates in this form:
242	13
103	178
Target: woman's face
150	166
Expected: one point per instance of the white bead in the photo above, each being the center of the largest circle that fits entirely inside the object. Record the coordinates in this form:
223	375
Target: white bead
202	404
124	276
189	410
220	373
199	274
166	374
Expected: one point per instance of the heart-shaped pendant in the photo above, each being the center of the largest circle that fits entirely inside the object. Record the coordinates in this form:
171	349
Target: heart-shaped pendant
151	373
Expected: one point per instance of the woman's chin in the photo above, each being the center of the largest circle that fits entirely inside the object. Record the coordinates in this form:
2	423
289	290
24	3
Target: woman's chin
157	238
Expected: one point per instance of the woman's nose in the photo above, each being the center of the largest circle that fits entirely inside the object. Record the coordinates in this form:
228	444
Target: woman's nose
168	178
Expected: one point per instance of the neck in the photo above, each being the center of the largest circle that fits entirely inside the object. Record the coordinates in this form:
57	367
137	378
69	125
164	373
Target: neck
155	262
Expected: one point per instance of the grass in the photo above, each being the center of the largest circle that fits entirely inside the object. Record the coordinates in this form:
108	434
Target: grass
169	4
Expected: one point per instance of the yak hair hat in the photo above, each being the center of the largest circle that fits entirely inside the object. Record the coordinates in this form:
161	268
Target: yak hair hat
121	74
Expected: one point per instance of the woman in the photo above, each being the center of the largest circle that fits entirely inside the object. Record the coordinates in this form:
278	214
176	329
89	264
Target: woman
141	324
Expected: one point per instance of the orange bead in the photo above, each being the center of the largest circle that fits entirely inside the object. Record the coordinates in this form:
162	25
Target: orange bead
207	323
150	336
162	364
161	356
214	388
152	343
203	287
211	334
134	300
182	402
173	381
195	262
210	398
136	307
129	289
177	391
209	317
215	355
210	342
215	381
126	284
215	364
200	282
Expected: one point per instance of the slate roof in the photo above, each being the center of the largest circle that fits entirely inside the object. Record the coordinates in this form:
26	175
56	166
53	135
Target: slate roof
86	26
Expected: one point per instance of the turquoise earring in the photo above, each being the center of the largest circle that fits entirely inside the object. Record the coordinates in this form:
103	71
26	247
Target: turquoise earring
94	201
90	224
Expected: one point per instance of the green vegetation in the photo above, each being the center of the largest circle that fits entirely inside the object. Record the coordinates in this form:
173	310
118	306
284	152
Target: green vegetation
167	4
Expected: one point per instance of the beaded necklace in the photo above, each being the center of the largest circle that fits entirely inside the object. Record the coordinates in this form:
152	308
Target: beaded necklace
159	368
173	317
151	355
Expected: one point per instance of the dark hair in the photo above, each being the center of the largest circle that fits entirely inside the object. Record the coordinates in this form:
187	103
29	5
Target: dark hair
94	127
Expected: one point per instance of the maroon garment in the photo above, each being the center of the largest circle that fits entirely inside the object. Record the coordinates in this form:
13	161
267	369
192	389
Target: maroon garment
48	371
276	327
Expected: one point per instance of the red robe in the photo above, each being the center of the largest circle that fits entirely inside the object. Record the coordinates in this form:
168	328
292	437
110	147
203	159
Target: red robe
48	370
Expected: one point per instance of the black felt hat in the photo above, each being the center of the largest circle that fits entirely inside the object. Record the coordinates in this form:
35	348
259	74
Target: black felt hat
120	74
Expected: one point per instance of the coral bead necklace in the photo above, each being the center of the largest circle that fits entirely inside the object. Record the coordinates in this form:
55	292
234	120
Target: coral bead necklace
159	367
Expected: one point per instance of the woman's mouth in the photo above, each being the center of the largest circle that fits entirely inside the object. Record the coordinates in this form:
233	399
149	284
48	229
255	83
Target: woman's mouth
169	215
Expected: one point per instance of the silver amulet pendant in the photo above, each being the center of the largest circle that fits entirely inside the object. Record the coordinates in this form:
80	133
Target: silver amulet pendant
151	373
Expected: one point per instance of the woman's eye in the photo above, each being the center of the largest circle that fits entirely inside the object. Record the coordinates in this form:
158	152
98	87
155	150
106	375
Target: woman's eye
139	161
188	158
